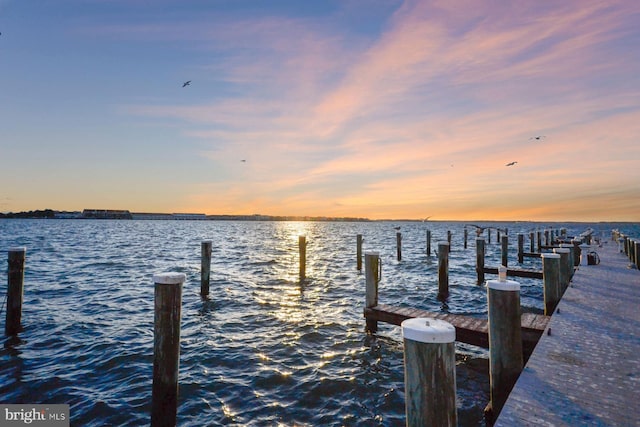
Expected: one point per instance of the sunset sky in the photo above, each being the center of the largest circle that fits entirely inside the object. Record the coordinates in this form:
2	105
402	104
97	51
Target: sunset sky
362	108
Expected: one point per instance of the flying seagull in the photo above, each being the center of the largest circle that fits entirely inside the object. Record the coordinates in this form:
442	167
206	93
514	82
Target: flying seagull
538	137
243	161
187	83
511	163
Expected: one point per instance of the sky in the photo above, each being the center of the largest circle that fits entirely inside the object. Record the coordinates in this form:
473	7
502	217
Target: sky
384	109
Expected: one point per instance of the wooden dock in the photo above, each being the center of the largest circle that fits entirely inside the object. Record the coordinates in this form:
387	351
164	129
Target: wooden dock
587	371
470	330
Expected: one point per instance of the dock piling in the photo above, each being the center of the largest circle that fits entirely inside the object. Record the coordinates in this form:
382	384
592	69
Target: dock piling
480	259
359	252
373	274
399	245
443	270
15	290
302	247
205	267
429	372
428	242
551	281
520	248
466	235
166	347
504	242
505	340
565	274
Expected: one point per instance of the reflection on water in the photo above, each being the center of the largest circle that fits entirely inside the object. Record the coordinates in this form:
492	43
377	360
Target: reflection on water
265	348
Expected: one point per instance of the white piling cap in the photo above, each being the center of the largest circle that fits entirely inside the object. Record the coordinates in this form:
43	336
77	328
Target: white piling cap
562	250
428	330
507	285
169	278
372	253
549	255
443	242
17	249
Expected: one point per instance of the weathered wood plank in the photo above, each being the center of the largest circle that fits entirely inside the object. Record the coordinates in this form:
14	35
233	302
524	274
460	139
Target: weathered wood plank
532	274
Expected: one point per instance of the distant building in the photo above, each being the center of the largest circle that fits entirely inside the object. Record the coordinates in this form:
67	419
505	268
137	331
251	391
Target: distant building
151	215
106	214
189	216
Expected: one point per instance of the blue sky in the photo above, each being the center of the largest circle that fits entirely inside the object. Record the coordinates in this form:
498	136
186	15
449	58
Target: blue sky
379	109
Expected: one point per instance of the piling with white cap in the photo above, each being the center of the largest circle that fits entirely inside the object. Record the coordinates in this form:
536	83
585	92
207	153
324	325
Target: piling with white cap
205	267
443	270
15	290
302	247
565	274
505	340
373	273
429	372
551	281
584	254
166	347
480	259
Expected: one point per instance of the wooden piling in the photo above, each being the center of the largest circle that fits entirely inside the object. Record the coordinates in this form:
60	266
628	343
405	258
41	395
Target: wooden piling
584	254
480	259
532	242
547	240
565	275
488	236
466	235
504	242
505	340
576	251
15	290
429	372
443	270
302	247
637	252
520	248
428	242
166	348
539	233
373	273
205	267
399	245
449	238
551	281
359	252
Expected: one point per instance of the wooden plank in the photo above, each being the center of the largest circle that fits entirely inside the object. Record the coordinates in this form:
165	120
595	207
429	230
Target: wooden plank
532	274
531	254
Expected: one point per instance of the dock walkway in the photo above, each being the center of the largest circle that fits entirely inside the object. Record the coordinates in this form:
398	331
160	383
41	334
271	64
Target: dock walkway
587	371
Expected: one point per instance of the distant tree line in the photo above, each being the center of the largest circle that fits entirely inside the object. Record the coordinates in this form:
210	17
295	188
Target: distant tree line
46	213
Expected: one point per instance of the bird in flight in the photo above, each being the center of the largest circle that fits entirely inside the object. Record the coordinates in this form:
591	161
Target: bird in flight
511	163
538	137
187	83
243	161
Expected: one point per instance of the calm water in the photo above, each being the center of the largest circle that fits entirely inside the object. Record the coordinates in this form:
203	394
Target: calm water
265	349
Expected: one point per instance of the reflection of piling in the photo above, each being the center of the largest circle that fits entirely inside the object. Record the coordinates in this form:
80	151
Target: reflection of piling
480	259
428	242
302	246
15	290
399	245
505	340
205	269
551	280
429	372
166	348
359	252
373	272
443	270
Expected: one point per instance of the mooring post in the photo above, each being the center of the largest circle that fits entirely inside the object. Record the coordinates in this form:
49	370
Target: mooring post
359	251
488	236
539	233
166	347
399	245
205	267
373	273
532	242
584	254
302	246
546	238
551	281
520	248
428	242
429	372
498	236
480	259
466	233
449	238
576	251
15	290
504	241
565	275
505	339
443	270
637	252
